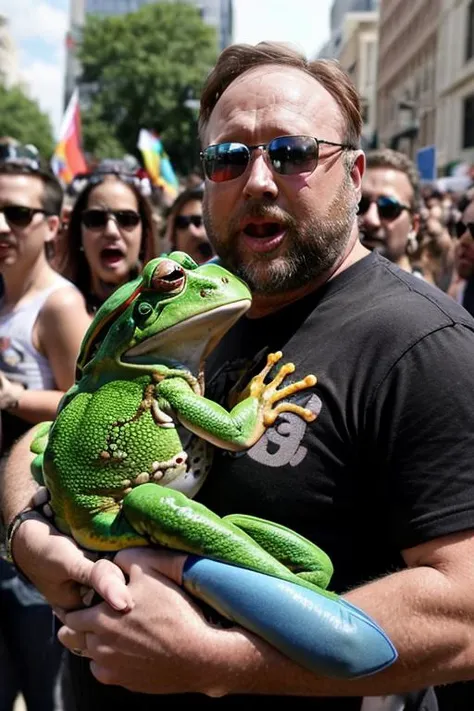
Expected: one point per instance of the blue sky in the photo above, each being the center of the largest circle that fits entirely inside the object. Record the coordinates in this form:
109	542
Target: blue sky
38	28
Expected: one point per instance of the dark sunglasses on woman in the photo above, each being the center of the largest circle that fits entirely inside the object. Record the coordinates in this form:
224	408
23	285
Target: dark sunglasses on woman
20	215
462	227
389	208
288	155
182	222
96	219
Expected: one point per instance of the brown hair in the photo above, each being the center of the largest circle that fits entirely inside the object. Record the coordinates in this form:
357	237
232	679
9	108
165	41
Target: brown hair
388	158
52	197
72	262
188	195
240	58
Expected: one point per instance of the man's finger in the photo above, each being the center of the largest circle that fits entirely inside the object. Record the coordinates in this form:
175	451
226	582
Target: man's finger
167	563
108	580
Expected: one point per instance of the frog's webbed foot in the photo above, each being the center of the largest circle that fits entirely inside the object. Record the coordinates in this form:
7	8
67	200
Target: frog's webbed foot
268	394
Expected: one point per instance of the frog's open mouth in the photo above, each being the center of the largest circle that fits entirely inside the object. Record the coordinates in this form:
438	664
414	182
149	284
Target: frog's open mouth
187	344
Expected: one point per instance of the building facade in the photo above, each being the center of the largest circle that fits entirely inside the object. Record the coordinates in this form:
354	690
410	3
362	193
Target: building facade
9	67
217	13
358	57
406	85
339	9
353	42
455	85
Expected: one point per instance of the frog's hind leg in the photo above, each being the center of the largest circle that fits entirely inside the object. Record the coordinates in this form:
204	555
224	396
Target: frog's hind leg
299	555
171	519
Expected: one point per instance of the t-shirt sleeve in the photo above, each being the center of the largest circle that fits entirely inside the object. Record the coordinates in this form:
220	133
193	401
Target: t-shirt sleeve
421	421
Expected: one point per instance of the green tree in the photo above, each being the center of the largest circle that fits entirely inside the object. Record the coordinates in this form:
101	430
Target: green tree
140	68
22	119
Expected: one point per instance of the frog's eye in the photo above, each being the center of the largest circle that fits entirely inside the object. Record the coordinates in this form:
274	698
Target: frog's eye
168	276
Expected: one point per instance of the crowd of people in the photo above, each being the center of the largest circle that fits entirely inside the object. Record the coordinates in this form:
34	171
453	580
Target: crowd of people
360	274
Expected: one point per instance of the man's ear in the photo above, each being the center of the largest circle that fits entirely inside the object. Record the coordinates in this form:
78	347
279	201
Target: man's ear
357	169
415	223
54	224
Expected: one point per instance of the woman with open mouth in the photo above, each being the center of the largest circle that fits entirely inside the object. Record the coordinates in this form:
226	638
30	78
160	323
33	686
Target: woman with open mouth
111	235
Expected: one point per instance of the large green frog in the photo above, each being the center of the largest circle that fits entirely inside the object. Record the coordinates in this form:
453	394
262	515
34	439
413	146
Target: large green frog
119	471
132	444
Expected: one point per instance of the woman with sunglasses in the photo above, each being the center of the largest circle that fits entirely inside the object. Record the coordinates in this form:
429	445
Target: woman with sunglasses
111	235
185	229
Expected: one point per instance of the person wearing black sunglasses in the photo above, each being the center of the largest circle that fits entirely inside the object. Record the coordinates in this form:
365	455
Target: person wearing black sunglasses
185	230
110	236
388	213
42	322
382	479
462	287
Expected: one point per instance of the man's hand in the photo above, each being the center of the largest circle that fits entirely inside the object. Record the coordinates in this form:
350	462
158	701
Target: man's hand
164	645
62	571
10	393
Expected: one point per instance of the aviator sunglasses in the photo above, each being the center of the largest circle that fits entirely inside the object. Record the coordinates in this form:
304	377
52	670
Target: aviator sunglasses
20	215
96	219
462	227
183	221
389	208
288	155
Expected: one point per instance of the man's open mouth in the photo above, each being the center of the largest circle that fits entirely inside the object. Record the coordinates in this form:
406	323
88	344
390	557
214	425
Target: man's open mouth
263	229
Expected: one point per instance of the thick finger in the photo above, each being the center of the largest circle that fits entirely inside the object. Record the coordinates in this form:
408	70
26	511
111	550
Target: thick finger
41	497
76	642
165	562
108	580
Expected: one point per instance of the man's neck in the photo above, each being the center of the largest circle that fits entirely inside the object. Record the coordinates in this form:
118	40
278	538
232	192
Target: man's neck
404	263
18	284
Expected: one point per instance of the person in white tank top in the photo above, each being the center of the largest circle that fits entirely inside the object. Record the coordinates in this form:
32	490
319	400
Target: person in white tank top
42	322
42	316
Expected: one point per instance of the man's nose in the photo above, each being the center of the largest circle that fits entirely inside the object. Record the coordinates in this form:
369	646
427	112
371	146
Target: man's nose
4	226
371	217
260	177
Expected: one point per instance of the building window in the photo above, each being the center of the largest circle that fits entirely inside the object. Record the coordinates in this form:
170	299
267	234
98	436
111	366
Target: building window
470	31
468	128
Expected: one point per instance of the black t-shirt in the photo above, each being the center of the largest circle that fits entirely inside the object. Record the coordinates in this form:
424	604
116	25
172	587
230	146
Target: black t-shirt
387	464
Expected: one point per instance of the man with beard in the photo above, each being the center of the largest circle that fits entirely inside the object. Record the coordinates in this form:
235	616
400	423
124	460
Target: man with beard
463	288
382	479
389	204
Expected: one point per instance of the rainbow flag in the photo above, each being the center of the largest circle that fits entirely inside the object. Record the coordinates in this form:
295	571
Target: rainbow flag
157	164
68	159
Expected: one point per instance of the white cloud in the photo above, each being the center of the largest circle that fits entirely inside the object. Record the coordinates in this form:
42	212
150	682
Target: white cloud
45	84
28	19
34	24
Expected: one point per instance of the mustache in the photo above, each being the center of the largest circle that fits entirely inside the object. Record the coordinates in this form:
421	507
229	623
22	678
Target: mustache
265	211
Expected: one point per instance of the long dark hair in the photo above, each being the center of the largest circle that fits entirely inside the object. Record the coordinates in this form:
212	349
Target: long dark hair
71	259
188	195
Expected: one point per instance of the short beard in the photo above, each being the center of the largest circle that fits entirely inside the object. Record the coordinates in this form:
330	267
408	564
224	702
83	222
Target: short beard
313	248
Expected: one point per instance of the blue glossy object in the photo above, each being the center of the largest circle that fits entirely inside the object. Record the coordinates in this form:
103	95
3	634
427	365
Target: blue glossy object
328	636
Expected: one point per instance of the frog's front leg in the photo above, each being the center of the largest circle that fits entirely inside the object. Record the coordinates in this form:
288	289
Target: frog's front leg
246	422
